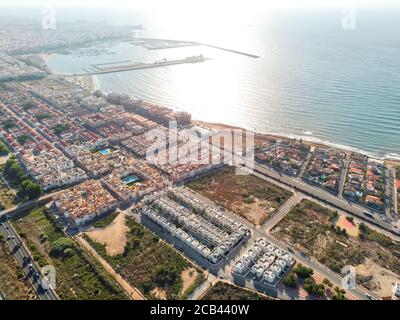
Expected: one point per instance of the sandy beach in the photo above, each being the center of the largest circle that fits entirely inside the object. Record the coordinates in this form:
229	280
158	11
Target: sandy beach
260	137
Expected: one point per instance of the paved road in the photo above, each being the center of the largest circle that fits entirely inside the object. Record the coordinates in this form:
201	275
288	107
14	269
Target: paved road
391	193
263	232
25	261
282	212
343	176
388	194
326	197
198	293
395	196
28	204
305	164
319	268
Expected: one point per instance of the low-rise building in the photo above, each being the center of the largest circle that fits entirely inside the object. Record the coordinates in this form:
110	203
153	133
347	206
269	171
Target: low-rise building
210	233
84	202
264	262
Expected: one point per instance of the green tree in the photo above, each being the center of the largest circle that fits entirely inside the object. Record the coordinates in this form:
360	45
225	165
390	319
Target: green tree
30	190
303	272
60	128
313	288
339	294
3	149
22	139
166	276
59	246
290	280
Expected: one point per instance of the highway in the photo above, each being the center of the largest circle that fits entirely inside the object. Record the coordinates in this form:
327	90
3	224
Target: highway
25	261
326	197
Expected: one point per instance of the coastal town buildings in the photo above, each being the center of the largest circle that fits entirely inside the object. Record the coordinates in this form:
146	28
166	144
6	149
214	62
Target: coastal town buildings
263	262
286	156
324	169
85	202
50	168
365	182
29	36
134	180
210	233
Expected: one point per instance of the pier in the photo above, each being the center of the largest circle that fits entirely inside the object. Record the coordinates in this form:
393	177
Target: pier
111	63
97	69
230	50
202	44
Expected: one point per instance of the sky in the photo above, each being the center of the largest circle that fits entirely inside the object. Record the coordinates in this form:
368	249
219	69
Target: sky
217	4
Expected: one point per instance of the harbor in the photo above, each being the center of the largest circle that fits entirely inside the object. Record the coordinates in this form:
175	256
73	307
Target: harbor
97	69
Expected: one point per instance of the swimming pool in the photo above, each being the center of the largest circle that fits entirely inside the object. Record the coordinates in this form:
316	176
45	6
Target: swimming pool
105	152
130	179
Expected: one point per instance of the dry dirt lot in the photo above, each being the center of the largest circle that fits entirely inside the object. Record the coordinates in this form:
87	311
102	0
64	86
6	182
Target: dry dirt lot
113	236
313	229
246	195
189	278
350	227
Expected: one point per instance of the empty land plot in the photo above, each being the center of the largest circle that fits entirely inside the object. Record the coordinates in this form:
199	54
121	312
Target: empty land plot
150	265
13	284
246	195
78	275
313	229
113	235
3	159
226	291
7	196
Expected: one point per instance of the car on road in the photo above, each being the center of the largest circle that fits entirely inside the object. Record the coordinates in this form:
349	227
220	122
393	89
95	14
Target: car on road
36	276
369	214
304	255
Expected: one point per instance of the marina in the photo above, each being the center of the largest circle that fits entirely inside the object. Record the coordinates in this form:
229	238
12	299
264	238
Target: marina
97	70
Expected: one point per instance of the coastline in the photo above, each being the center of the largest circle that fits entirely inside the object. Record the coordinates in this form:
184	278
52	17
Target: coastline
374	152
88	82
92	84
314	142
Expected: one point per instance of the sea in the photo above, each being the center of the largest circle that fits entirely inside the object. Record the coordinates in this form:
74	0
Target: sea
328	75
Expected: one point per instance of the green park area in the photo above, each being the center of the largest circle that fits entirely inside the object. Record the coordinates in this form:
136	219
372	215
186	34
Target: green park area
78	275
